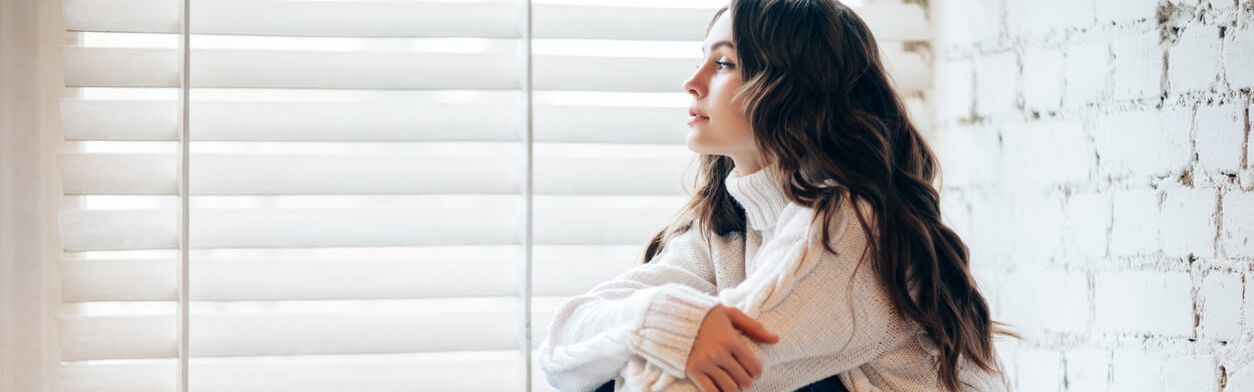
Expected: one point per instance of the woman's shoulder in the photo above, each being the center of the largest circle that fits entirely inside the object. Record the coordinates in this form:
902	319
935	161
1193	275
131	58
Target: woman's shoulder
843	216
695	242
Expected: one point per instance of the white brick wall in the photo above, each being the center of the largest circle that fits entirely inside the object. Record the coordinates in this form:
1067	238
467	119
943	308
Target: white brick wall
1138	64
1192	61
1088	369
1137	302
1236	61
1098	161
1220	136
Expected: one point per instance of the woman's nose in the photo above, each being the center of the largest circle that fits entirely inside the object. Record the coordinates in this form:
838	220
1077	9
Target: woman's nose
692	85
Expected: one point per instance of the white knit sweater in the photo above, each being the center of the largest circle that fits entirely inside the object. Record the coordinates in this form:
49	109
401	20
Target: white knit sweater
832	316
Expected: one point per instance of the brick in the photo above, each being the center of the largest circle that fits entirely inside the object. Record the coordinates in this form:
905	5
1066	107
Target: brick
1145	371
1136	371
1187	222
955	86
1135	223
1039	370
1027	17
1040	242
1138	66
1144	302
991	223
1220	136
1237	224
1088	72
1249	303
1065	310
1035	17
1241	379
1086	227
1223	4
1087	369
1071	155
1221	306
1042	79
1143	144
1193	62
969	155
953	27
1118	11
1075	13
1239	56
996	90
1190	374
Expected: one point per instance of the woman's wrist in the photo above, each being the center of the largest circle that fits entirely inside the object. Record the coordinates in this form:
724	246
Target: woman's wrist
669	326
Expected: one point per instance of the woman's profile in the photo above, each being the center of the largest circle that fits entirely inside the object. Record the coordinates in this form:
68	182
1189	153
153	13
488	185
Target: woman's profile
812	255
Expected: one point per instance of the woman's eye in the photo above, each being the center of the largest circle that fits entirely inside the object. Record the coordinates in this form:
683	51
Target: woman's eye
720	64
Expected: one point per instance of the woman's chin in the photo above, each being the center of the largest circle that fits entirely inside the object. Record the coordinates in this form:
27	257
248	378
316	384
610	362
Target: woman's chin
703	149
695	145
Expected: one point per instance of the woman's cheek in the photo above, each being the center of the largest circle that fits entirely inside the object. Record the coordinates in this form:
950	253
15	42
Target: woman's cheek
715	136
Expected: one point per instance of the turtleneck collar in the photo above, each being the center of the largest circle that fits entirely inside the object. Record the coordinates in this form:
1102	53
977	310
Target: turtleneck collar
760	195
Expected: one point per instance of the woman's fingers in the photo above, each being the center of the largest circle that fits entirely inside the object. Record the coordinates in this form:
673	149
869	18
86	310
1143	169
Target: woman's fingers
750	327
704	383
735	370
747	359
722	356
722	379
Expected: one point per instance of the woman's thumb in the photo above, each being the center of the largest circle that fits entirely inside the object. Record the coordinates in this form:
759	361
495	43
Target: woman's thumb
750	327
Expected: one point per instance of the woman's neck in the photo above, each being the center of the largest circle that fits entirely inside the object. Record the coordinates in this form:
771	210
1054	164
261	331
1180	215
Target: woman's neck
746	165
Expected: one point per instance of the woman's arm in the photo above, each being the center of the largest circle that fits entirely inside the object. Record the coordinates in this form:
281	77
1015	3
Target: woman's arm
643	312
821	305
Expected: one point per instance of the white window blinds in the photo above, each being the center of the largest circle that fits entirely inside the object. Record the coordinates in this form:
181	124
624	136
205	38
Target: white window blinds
357	170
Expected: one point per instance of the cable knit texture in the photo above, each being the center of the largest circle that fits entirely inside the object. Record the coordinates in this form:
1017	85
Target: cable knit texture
757	194
832	315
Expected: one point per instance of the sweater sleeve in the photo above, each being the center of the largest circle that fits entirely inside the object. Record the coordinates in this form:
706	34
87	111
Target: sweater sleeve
822	305
651	312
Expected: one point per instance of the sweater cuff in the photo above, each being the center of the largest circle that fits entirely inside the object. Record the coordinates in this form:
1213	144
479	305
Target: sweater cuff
670	327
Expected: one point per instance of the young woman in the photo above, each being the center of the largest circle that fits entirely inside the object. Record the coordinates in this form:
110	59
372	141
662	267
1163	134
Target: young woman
813	251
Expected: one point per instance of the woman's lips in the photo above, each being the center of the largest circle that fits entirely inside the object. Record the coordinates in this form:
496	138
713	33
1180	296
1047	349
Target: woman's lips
695	115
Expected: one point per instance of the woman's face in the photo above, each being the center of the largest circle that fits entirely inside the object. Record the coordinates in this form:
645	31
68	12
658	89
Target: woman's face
717	124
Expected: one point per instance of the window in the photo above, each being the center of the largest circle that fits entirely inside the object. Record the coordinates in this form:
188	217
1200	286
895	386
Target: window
358	182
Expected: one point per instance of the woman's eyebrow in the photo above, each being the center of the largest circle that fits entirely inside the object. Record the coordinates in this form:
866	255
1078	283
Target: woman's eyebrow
718	44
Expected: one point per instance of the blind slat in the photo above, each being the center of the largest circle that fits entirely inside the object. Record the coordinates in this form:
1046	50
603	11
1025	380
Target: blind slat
402	221
422	273
497	19
390	117
492	69
485	371
360	120
239	329
487	171
889	22
157	67
380	115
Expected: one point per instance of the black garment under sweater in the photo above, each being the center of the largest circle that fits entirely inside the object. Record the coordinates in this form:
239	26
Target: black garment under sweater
830	384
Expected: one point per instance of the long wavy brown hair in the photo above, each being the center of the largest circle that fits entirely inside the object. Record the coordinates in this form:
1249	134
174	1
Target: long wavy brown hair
822	107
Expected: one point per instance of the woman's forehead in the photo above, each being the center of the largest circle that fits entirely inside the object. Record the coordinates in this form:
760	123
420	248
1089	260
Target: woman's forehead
720	32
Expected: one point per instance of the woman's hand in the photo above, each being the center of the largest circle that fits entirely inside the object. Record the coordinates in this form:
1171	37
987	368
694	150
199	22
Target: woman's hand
720	359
